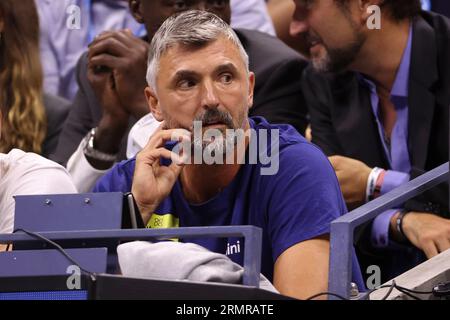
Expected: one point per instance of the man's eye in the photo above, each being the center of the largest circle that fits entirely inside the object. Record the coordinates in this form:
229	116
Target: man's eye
218	3
180	5
226	78
186	84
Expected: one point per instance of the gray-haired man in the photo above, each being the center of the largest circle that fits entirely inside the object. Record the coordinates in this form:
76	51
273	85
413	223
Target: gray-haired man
198	73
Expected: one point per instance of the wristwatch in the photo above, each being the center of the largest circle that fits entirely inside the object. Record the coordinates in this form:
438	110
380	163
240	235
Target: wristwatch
91	152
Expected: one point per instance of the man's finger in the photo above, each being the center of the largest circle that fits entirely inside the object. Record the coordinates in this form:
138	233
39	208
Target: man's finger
157	154
160	138
110	45
104	60
176	168
443	244
430	249
101	36
153	158
129	39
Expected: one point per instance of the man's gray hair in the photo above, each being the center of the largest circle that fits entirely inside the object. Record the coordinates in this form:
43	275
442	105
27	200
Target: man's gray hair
191	28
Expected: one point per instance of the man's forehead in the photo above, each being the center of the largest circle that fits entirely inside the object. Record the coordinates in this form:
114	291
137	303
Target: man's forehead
219	52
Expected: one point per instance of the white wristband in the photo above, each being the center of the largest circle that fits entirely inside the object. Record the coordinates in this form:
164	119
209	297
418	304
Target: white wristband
372	181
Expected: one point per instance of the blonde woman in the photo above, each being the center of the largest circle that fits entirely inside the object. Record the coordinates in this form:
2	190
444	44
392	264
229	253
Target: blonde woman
31	120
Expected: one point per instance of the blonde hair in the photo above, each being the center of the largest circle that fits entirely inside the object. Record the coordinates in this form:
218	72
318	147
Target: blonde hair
24	123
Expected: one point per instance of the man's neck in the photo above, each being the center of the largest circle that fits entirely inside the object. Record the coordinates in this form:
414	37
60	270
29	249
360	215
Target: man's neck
202	182
381	56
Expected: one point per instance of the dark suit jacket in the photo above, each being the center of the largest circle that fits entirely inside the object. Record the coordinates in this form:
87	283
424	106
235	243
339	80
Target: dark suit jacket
57	110
441	6
278	95
343	122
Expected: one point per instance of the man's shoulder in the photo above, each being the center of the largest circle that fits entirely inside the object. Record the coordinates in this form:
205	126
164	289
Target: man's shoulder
19	167
118	179
438	22
293	147
432	32
18	158
126	166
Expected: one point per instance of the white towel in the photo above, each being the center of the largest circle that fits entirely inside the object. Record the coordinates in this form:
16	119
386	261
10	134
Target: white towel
180	261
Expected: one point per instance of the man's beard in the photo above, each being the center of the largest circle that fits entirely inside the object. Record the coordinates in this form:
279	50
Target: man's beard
221	144
336	59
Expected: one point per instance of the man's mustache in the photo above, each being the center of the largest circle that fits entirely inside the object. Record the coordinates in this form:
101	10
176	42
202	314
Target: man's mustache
312	39
215	116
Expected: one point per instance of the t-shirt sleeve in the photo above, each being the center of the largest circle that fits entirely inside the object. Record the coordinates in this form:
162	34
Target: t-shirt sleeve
305	198
118	179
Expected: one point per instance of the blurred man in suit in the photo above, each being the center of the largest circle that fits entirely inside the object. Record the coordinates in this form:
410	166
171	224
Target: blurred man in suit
379	101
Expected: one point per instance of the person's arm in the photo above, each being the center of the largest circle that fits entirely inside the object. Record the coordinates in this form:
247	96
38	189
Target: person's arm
304	200
82	117
84	175
389	180
428	232
304	266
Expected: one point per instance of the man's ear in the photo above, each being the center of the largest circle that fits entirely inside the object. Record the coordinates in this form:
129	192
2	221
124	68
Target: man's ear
135	9
153	104
251	88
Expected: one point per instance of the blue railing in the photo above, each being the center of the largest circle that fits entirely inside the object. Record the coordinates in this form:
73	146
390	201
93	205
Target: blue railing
252	236
342	229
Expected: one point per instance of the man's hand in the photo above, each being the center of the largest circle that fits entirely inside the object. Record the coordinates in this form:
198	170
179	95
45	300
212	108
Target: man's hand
352	175
103	84
114	122
116	72
428	232
152	182
125	56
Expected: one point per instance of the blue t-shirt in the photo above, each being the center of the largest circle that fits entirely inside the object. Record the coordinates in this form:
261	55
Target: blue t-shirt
296	204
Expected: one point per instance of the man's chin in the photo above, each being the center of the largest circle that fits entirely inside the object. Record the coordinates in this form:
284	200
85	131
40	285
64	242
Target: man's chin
320	64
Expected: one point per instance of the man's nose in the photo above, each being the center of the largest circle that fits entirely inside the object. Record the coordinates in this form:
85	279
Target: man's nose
298	27
209	96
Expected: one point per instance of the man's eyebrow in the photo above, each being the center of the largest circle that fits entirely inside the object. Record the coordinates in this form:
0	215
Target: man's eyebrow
189	74
226	67
183	74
